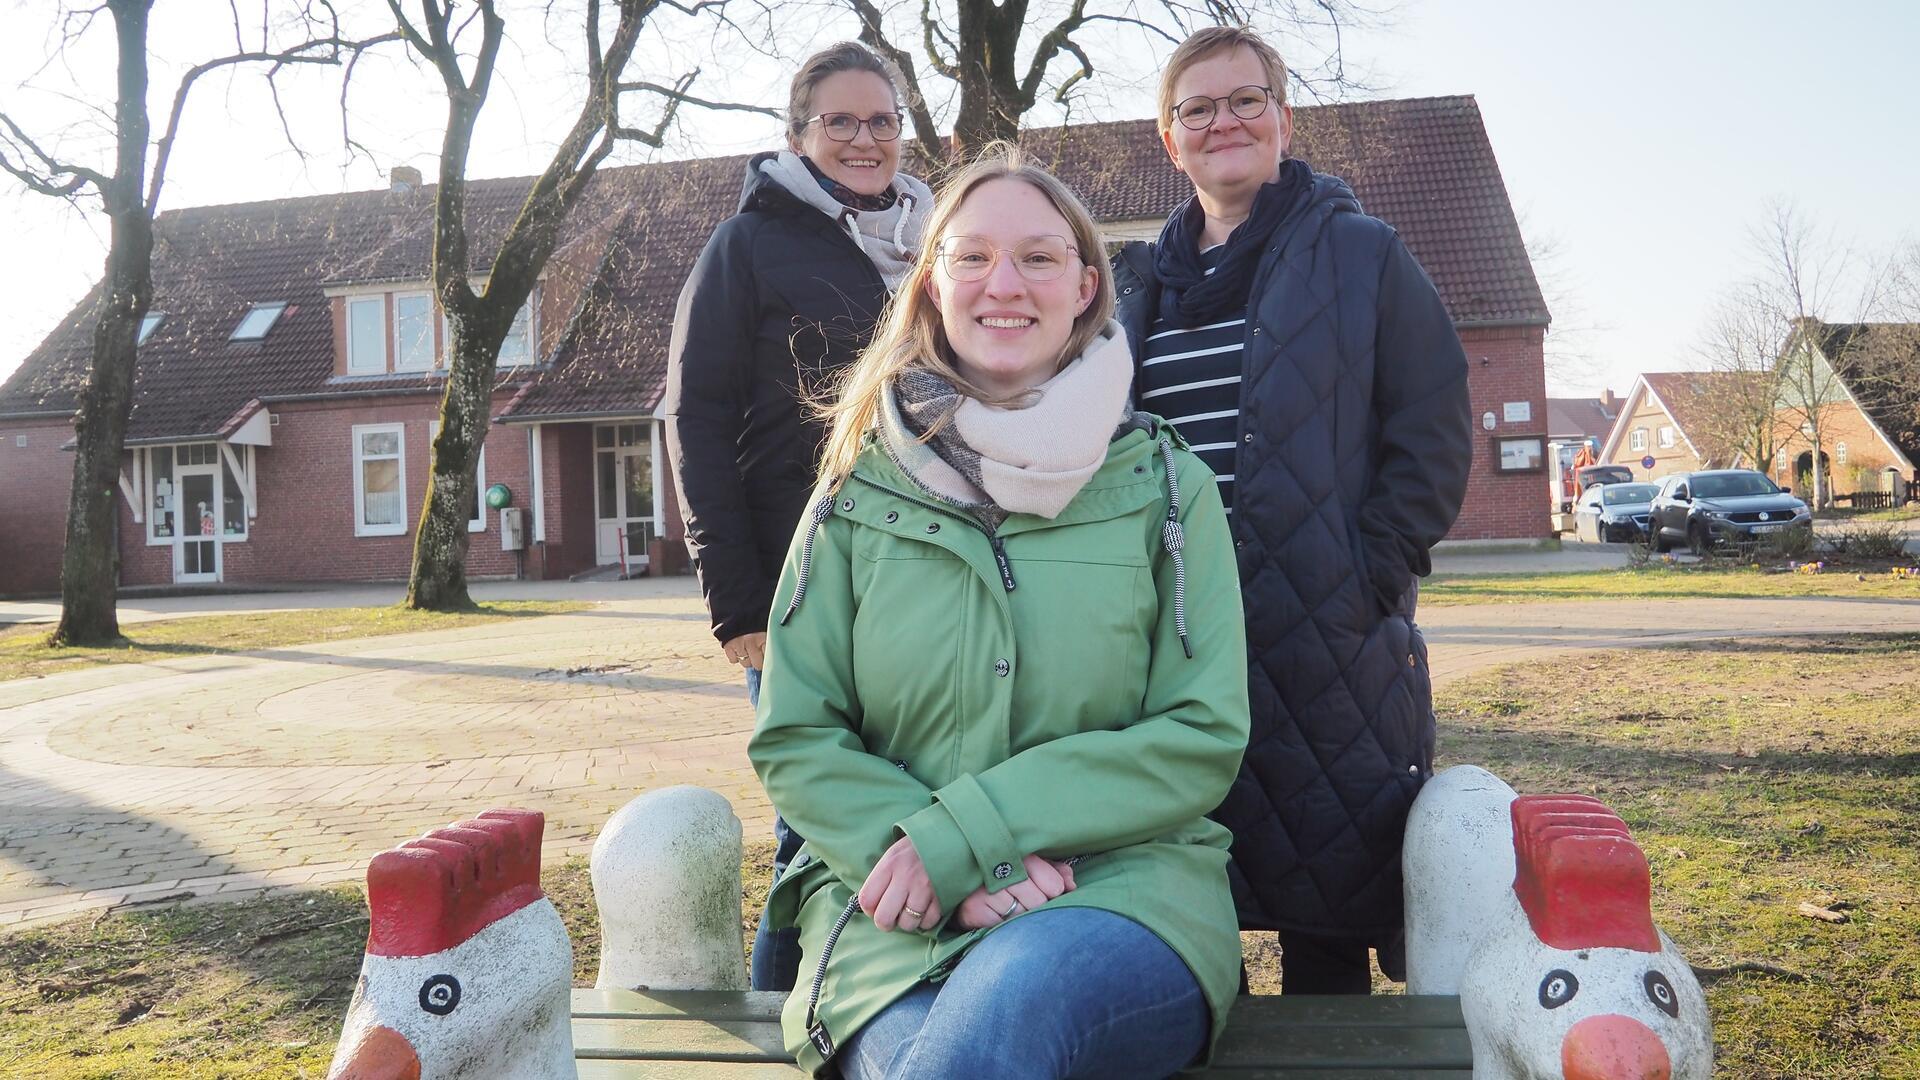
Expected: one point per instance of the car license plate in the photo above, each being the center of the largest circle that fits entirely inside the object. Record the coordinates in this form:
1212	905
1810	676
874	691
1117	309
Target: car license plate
1769	528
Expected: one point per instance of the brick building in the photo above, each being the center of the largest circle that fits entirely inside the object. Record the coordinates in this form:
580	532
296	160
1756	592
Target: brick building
1662	419
290	370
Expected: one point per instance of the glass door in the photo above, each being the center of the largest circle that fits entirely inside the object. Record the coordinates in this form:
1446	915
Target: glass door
623	493
196	523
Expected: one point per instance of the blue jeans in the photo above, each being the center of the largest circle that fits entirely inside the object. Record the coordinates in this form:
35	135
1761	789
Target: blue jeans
776	953
1073	992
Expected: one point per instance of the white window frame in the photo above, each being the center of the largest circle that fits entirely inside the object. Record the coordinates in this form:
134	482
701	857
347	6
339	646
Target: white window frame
531	309
1666	436
1840	453
1637	439
148	324
360	526
357	364
399	353
270	311
474	524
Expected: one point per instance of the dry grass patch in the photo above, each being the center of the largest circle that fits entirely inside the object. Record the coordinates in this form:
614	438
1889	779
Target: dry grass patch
1718	579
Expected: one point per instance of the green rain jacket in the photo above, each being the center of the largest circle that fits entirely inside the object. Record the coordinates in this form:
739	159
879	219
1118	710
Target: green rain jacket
996	696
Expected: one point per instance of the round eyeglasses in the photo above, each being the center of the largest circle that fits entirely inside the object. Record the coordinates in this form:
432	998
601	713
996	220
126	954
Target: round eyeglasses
1199	111
1037	258
844	127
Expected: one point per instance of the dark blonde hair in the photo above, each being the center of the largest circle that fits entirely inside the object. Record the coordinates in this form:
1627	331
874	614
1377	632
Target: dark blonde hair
844	56
1207	41
912	334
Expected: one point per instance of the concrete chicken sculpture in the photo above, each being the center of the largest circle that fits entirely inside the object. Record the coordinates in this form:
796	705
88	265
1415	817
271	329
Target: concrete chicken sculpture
1535	910
468	971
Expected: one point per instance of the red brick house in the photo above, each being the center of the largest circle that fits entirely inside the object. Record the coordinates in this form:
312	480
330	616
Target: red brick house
289	372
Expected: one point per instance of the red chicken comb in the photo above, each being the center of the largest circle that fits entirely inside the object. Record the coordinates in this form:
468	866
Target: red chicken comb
430	894
1579	876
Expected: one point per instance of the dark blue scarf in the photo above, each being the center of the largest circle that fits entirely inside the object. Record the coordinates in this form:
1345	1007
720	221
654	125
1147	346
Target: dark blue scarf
1192	297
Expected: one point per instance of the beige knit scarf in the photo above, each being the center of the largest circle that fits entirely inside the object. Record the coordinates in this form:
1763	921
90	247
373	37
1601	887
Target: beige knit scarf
1026	460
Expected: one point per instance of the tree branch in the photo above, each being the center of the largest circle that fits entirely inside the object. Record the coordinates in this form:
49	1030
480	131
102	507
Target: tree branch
677	95
1051	45
45	180
930	29
299	54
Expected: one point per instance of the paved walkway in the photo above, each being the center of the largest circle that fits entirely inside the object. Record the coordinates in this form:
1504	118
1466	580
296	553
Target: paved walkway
221	776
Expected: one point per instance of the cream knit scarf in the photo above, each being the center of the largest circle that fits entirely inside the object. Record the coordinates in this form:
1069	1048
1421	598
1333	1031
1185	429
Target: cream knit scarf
1029	460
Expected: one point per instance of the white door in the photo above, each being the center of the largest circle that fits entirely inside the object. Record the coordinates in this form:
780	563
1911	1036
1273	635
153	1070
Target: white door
197	509
623	494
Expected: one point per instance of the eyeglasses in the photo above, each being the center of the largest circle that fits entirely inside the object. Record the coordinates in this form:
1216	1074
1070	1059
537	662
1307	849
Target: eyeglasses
1198	112
843	127
1037	258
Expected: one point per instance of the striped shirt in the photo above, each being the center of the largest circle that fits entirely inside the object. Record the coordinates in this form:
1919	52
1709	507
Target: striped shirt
1191	377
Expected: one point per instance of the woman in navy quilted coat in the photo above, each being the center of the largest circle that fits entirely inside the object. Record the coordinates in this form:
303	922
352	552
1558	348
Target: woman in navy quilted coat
1304	354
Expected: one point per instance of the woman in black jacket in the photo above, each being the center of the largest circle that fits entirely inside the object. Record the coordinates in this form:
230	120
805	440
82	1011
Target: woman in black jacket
1303	353
785	296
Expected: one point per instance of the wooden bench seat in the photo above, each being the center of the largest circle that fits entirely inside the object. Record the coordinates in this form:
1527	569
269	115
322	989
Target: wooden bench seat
721	1035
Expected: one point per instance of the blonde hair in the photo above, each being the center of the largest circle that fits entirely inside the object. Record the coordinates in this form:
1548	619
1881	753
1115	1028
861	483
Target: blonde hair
1207	41
911	333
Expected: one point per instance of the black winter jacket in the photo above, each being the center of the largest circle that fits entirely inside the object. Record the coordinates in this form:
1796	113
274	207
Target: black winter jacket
779	303
1354	443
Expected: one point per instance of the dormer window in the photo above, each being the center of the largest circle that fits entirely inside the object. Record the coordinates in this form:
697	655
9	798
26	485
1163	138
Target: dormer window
257	321
148	324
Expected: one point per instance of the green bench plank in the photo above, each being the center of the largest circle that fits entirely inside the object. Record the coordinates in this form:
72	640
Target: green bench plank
1246	1046
750	1005
1267	1010
680	1040
695	1033
602	1069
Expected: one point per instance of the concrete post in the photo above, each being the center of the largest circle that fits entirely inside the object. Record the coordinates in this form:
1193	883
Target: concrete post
666	876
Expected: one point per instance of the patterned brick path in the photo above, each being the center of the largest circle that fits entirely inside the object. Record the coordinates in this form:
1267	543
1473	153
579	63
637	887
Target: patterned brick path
222	776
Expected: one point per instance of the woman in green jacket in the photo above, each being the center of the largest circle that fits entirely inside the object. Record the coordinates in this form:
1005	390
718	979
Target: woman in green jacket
1006	682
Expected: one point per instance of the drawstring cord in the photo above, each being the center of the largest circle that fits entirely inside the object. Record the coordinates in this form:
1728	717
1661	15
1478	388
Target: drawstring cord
1172	538
849	220
821	511
816	1029
907	205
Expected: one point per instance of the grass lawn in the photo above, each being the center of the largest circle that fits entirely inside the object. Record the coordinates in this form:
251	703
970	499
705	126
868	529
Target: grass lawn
24	653
1763	774
1659	581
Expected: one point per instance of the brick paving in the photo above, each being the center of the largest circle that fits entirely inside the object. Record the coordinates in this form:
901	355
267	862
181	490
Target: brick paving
211	778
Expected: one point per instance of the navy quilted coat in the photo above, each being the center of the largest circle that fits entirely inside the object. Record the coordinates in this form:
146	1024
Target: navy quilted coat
1354	442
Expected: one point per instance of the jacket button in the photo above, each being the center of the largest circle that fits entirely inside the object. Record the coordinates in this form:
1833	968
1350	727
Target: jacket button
1247	438
1410	661
1126	291
933	527
847	506
1413	770
1256	331
893	516
1239	543
1003	871
1001	667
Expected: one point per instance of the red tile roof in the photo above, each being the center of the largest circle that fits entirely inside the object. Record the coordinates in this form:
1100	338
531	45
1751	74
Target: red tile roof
1880	365
1423	165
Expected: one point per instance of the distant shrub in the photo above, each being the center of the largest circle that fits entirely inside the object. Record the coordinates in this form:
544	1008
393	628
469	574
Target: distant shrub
1870	540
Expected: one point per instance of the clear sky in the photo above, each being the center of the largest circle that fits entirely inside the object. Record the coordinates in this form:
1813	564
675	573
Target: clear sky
1640	142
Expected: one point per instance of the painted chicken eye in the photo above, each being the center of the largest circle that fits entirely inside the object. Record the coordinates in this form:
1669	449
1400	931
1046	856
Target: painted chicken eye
1558	988
1660	992
440	994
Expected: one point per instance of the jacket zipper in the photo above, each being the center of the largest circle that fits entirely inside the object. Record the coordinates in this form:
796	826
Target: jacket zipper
993	537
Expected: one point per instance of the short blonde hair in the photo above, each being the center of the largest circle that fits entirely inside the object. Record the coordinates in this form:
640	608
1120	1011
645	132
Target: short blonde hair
1205	42
911	333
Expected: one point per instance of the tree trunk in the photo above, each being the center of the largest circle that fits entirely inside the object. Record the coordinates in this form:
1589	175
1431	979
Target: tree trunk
438	580
90	563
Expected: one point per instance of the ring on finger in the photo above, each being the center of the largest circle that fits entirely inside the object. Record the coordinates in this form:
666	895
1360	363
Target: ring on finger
1012	909
916	916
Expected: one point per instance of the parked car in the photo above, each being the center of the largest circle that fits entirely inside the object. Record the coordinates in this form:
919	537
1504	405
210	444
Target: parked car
1613	513
1705	509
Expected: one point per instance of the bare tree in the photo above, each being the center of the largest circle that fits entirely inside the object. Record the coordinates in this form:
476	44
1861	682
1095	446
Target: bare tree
478	320
1738	394
987	64
129	193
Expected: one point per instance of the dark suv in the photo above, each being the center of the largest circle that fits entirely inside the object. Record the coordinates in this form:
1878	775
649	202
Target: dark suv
1719	506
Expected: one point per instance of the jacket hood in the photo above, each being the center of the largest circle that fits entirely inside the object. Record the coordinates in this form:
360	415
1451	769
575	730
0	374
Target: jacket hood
758	191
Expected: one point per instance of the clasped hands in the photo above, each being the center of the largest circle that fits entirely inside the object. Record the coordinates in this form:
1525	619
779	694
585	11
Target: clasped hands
899	895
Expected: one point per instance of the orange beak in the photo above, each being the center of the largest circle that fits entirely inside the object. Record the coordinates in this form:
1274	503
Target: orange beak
1613	1047
381	1054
